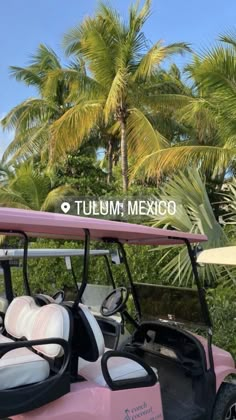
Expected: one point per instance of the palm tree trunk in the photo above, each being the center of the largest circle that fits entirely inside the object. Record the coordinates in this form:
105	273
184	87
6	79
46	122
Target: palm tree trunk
110	161
124	156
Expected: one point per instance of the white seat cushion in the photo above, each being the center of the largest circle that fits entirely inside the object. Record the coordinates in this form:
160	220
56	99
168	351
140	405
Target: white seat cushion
4	339
119	368
25	319
22	367
20	317
51	321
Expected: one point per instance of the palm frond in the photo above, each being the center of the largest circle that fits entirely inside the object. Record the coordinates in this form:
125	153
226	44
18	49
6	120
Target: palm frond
27	75
69	131
138	18
28	113
179	157
44	59
116	93
141	136
56	196
154	57
193	214
27	144
229	38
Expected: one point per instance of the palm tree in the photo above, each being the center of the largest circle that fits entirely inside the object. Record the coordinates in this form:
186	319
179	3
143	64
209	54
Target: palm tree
209	116
194	213
27	188
117	89
31	120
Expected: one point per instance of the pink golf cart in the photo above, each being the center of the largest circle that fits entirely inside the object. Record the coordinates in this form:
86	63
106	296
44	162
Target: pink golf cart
53	359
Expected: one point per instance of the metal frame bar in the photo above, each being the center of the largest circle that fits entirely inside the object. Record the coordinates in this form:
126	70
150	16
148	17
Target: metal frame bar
74	276
85	269
204	306
25	255
109	271
201	291
134	293
7	280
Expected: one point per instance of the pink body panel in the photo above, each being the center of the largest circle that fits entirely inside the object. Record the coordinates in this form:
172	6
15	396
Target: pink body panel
88	401
43	224
223	362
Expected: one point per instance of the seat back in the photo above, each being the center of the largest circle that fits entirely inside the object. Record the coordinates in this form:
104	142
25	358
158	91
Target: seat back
24	318
91	342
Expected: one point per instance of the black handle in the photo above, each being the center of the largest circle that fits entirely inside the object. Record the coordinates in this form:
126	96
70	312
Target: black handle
6	347
149	380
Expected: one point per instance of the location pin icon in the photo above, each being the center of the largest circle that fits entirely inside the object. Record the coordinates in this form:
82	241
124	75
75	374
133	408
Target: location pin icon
65	207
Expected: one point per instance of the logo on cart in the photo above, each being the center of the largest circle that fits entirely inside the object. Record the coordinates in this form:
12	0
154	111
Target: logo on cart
127	415
142	411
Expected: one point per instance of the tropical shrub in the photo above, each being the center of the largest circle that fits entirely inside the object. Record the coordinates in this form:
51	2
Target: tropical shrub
194	213
50	274
222	304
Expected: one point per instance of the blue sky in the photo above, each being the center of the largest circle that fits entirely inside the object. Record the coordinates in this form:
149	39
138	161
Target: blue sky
24	24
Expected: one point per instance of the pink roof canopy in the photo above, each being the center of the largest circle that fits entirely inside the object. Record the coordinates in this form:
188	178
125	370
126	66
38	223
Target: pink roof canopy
48	225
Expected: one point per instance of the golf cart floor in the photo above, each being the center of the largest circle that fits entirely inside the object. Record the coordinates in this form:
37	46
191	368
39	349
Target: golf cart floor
176	391
179	410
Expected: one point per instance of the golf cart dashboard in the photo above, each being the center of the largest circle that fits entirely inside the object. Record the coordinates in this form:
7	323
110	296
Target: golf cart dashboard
155	348
164	341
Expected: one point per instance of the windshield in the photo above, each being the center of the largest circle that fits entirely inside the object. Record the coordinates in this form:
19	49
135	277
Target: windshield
169	303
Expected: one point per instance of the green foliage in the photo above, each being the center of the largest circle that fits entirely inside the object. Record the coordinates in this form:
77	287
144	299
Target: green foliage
50	274
206	107
31	119
194	213
84	174
28	188
222	303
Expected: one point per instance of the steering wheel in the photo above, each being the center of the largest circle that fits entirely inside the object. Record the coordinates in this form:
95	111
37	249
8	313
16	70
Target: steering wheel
114	302
41	299
59	296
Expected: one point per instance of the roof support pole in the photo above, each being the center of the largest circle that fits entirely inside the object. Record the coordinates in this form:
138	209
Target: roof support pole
109	272
85	268
202	298
25	255
134	293
7	280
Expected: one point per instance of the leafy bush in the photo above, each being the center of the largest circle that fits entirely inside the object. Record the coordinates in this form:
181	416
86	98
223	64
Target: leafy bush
50	274
222	303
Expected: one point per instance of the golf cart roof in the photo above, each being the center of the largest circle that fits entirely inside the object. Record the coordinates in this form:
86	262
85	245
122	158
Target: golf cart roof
55	225
224	256
14	254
